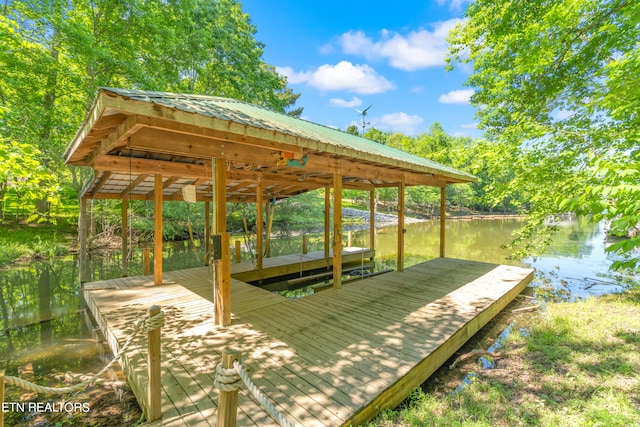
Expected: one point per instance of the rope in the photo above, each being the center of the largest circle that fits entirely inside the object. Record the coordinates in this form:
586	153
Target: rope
150	324
227	379
230	379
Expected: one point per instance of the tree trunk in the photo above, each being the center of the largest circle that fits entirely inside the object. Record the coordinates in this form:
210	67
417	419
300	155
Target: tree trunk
48	104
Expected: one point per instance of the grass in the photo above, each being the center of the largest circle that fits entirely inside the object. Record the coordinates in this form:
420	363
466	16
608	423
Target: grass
20	241
578	364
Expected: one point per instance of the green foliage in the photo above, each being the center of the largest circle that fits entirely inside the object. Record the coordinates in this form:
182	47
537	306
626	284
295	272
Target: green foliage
25	177
353	130
55	54
553	82
39	241
376	135
303	210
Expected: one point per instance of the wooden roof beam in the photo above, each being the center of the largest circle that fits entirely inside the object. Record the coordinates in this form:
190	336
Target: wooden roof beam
109	121
219	135
197	147
270	177
150	167
115	139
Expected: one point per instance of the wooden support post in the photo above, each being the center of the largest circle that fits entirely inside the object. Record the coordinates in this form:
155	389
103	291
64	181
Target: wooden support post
443	217
228	400
372	219
259	224
221	196
238	252
270	210
125	239
207	232
304	243
223	284
349	239
154	358
327	220
1	397
146	261
400	262
337	230
84	270
157	231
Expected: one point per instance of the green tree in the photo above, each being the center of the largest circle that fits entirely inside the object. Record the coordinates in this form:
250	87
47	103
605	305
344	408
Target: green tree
353	130
24	176
54	54
376	135
554	82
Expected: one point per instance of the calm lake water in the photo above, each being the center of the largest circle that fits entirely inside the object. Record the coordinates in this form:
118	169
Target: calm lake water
44	322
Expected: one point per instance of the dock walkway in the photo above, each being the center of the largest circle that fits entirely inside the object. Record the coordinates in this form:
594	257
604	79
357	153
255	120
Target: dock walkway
336	357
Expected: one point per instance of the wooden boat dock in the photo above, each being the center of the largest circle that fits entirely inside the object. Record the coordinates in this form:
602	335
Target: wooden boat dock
337	357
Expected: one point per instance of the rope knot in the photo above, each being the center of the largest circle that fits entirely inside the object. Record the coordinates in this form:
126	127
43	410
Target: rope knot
154	322
227	379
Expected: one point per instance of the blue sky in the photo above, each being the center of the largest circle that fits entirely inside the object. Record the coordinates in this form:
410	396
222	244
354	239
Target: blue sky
349	54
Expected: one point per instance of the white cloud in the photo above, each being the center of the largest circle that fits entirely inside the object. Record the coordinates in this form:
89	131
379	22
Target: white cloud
469	126
292	76
461	96
454	4
398	122
417	50
338	102
342	76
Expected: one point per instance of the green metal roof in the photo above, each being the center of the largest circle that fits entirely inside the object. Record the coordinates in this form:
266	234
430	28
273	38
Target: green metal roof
326	138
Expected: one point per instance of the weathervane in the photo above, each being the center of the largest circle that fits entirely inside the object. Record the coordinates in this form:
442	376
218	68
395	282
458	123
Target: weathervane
363	113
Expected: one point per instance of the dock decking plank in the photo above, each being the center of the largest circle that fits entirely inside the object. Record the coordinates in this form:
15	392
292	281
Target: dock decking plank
327	359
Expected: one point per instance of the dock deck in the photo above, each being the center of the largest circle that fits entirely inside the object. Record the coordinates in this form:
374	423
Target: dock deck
336	357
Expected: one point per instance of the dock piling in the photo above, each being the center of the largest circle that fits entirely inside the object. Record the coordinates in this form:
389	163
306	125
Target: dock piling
238	252
146	261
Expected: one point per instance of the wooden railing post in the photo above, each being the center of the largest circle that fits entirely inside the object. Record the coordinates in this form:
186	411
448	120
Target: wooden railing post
1	397
304	243
154	408
238	254
228	400
146	261
350	238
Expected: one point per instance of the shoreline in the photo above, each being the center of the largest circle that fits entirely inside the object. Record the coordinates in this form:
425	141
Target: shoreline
383	219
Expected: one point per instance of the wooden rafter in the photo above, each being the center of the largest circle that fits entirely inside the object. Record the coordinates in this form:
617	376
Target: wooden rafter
115	139
105	177
133	185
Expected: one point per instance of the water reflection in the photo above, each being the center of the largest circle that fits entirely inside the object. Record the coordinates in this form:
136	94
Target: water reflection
44	322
